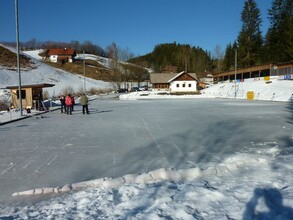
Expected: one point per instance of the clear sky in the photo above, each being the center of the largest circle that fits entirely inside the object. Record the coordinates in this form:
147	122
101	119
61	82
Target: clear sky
136	25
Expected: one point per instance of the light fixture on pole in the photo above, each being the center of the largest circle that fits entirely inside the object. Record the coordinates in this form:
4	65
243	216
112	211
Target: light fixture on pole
18	63
235	72
84	88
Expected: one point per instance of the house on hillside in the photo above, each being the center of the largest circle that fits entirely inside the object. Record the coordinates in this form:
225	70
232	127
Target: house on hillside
206	81
61	55
174	82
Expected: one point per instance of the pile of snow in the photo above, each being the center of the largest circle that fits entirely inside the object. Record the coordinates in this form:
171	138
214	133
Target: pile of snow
153	94
276	89
145	178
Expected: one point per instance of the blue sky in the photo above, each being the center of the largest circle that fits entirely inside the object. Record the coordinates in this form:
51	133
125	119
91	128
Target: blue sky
136	25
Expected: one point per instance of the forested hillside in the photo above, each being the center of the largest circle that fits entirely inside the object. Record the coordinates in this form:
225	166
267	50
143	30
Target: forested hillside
181	56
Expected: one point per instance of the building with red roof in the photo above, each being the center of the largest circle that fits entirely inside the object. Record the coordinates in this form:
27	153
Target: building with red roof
61	55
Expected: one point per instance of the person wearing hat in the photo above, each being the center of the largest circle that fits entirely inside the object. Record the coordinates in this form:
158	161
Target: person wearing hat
83	100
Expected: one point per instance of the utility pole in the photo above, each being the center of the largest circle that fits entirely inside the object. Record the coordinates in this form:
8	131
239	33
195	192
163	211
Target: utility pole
84	88
235	72
18	63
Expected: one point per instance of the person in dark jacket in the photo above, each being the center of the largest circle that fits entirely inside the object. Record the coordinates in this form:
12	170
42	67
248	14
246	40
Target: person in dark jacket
73	102
62	103
83	100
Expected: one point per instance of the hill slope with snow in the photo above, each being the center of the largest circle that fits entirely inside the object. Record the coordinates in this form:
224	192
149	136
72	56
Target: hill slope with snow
44	73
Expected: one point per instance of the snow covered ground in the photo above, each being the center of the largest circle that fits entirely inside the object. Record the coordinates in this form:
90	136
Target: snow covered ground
151	159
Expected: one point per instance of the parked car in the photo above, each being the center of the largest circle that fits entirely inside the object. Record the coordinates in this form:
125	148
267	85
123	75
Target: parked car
135	89
122	90
143	88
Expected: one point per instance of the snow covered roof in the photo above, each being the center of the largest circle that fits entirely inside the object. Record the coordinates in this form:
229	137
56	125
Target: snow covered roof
43	85
161	77
167	77
193	75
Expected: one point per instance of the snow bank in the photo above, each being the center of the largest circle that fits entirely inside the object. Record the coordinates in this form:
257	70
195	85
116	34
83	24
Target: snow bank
228	167
273	90
144	178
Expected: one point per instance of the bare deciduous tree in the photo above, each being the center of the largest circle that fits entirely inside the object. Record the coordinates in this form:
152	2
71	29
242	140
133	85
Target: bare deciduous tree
218	57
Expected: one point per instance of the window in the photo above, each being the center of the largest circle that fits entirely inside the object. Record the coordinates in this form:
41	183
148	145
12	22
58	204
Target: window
183	85
177	85
23	94
189	85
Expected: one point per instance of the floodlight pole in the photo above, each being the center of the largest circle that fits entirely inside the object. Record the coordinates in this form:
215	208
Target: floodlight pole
235	72
84	88
18	64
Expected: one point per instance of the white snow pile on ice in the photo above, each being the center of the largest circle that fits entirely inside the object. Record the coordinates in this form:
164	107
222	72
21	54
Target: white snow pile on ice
239	187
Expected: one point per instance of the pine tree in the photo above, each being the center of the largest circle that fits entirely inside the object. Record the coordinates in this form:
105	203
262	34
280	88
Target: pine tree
250	39
279	38
229	59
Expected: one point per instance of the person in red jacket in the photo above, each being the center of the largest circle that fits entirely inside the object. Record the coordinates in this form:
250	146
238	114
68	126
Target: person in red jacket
69	104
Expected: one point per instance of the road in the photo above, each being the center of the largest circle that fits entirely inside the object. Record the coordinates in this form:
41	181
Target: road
123	137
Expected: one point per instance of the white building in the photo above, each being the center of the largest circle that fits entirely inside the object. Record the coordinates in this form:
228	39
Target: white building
61	55
174	82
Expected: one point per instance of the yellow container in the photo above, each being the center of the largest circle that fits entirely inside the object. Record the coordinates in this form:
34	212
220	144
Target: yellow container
267	78
250	95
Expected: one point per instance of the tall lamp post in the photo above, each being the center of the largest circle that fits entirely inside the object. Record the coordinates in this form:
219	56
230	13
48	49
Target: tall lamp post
18	64
84	89
235	72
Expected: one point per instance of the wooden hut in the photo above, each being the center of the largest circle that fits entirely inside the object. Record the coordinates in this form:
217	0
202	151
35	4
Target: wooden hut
31	95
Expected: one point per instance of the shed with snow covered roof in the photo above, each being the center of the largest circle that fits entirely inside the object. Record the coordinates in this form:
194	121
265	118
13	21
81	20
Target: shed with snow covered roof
31	96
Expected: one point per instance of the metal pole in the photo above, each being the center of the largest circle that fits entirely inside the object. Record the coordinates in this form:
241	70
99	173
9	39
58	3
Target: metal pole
235	72
18	64
84	88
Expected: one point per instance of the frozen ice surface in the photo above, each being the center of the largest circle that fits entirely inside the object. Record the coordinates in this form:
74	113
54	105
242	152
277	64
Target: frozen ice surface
150	159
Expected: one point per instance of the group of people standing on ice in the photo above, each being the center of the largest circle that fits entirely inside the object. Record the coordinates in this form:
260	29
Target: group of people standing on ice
68	102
